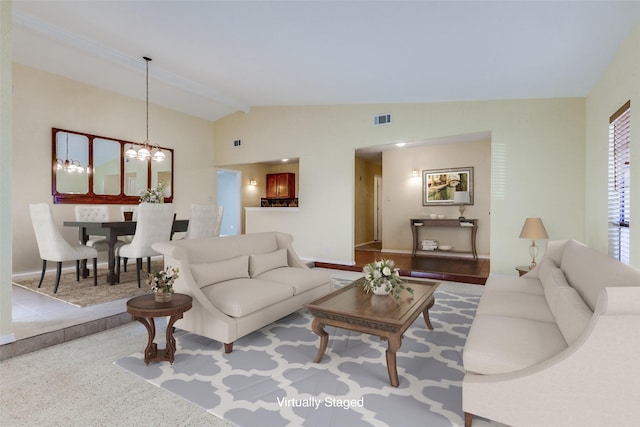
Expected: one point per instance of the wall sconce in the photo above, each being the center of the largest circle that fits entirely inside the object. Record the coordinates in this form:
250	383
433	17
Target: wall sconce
252	182
415	173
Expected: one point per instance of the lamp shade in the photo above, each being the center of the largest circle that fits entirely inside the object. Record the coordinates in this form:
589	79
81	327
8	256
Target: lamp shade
533	229
461	197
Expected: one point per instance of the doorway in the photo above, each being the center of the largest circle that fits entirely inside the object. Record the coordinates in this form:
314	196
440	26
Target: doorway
229	196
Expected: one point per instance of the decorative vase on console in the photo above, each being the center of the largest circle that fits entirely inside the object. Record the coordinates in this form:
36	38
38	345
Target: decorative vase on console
161	283
383	278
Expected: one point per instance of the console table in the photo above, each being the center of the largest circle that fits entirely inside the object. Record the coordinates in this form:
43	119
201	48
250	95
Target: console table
462	224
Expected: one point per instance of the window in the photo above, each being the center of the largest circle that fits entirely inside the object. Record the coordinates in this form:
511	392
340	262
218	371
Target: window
619	182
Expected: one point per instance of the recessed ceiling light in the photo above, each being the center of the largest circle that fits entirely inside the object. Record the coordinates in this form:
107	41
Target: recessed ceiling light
285	160
400	144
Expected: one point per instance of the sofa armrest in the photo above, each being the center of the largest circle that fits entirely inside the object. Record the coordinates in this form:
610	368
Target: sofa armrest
619	301
592	382
284	240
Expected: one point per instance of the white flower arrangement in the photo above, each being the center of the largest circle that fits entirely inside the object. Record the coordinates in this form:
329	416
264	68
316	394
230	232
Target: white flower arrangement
383	273
162	281
152	195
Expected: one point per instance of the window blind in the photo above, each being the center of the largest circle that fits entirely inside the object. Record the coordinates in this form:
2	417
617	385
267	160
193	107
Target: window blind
619	183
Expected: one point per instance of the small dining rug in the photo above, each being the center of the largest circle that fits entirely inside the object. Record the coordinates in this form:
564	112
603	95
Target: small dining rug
270	378
83	293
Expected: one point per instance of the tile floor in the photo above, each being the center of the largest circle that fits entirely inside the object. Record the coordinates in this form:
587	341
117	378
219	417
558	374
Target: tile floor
40	321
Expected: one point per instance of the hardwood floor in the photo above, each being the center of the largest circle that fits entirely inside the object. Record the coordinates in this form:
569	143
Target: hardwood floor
465	270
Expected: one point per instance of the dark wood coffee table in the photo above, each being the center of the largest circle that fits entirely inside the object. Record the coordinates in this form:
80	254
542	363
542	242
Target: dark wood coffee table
352	308
145	308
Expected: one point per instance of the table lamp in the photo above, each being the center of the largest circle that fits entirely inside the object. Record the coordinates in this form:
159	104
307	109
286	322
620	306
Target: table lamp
461	198
533	229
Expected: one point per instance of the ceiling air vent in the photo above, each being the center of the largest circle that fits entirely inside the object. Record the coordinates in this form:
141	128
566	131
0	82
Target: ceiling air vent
383	119
237	142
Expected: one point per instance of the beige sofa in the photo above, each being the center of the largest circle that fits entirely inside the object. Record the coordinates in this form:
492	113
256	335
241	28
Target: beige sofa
241	283
559	346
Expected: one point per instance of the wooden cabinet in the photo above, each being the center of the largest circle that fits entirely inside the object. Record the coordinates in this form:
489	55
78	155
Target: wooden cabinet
281	185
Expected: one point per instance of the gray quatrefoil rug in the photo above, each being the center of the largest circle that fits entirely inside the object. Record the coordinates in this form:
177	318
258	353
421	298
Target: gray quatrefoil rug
270	379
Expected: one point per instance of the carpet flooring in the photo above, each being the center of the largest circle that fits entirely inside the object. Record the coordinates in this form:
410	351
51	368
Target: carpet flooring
270	378
83	293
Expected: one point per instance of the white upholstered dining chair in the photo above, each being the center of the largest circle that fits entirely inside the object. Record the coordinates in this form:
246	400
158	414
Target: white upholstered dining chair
154	224
53	247
95	213
204	221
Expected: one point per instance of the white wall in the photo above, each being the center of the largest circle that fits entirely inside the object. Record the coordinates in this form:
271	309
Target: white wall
620	83
537	163
42	101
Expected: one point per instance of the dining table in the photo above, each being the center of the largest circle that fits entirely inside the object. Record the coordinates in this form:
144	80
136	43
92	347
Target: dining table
112	230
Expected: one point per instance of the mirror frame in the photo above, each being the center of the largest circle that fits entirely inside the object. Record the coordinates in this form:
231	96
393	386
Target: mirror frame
90	197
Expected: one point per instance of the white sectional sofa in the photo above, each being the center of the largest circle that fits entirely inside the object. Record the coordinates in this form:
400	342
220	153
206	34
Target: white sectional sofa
559	346
241	283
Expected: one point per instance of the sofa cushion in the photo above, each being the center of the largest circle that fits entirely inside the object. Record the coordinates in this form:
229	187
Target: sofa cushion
300	279
498	344
523	284
544	269
515	304
572	314
553	285
241	297
260	263
214	272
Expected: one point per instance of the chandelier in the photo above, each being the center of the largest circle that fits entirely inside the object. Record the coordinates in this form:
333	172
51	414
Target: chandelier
69	165
146	148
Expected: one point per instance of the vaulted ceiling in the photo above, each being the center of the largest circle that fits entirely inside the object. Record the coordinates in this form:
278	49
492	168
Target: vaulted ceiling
211	58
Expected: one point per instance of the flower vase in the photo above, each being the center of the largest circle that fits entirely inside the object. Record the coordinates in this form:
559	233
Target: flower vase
383	289
163	296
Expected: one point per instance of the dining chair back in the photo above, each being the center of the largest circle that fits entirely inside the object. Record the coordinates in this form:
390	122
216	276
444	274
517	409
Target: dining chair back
204	221
53	247
94	213
154	224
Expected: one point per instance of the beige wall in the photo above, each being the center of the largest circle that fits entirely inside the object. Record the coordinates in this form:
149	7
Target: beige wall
402	194
42	101
620	83
365	171
537	164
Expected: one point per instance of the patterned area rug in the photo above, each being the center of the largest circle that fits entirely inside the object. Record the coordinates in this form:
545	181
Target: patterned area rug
270	378
83	293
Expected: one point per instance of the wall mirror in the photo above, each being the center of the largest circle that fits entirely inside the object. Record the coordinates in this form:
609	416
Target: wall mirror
93	169
71	162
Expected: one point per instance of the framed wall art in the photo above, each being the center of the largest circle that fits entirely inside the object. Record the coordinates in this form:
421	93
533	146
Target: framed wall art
439	186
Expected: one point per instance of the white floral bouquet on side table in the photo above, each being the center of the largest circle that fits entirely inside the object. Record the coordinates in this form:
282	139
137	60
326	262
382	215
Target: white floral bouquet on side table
162	281
152	195
383	278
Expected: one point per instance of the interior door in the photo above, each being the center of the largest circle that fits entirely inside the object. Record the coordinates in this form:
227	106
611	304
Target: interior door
377	213
229	196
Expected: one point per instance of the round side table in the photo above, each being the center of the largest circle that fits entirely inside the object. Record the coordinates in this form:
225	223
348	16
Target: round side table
144	309
523	269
